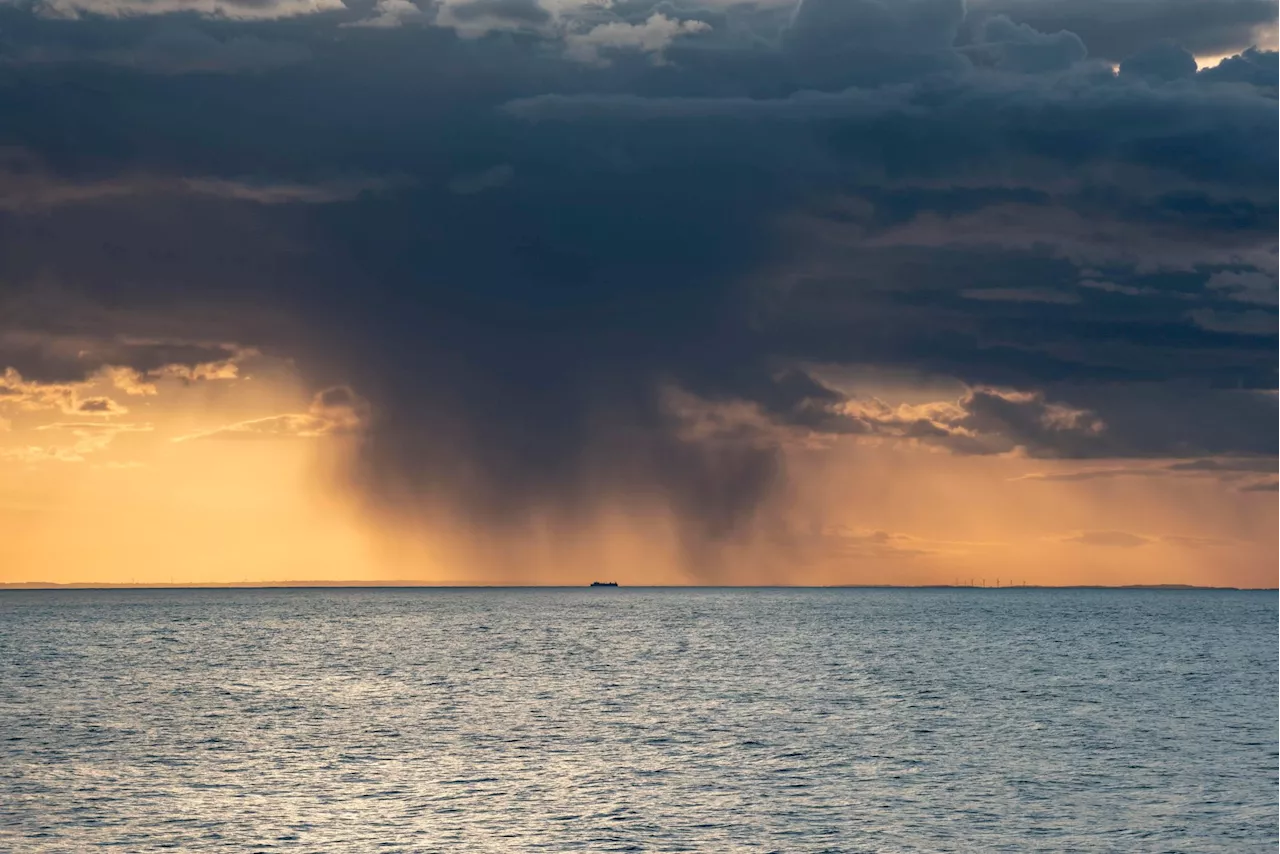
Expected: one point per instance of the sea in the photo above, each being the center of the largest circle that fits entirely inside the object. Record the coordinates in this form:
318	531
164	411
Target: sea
665	720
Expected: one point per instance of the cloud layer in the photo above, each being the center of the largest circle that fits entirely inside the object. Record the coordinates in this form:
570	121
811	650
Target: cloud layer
579	254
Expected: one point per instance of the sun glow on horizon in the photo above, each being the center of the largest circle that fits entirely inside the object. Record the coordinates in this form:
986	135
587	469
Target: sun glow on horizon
244	478
130	495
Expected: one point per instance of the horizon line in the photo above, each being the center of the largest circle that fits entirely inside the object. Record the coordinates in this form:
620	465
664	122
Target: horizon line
414	585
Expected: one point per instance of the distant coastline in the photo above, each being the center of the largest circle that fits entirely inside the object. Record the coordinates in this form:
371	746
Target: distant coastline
357	585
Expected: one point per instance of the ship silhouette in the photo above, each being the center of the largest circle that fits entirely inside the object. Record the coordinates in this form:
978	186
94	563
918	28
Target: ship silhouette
604	584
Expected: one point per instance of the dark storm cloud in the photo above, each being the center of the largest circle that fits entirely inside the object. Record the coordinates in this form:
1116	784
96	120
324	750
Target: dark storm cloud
525	11
841	26
72	354
1254	67
1160	62
1115	29
164	47
1003	44
515	257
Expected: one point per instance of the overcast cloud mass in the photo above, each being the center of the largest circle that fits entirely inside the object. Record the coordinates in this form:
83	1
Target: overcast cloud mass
558	254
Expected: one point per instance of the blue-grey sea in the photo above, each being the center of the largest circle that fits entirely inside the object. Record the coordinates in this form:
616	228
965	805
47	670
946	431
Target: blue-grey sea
491	720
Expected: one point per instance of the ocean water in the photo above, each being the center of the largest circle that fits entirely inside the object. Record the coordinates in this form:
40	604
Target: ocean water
638	720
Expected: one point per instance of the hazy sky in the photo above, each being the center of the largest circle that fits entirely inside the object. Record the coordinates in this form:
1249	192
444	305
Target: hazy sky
671	292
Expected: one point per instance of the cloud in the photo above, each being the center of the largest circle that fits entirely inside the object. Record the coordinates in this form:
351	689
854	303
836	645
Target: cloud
97	406
89	438
1252	67
1114	30
334	411
1021	295
128	380
1249	286
524	11
286	194
36	454
856	184
1260	486
300	425
222	369
1112	287
1161	62
650	37
24	189
79	394
982	421
1109	539
843	544
17	392
1019	47
1235	322
50	365
1227	469
987	421
1221	466
473	19
392	13
257	10
96	427
1094	474
30	395
849	26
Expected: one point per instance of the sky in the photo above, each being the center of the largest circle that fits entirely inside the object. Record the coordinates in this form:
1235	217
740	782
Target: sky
697	292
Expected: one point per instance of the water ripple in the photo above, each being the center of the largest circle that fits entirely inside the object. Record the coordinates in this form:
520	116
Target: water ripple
638	720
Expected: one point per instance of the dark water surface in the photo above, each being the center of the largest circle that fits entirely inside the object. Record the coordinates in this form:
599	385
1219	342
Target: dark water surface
638	720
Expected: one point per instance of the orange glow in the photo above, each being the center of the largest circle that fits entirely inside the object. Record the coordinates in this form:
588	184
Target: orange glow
239	478
117	499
